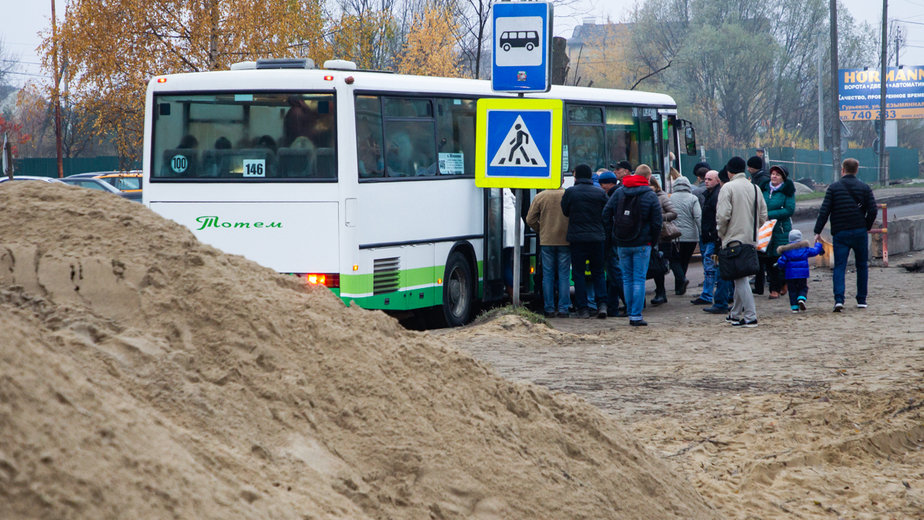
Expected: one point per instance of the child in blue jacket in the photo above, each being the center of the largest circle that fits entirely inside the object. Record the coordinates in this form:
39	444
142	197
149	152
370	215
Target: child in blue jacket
794	260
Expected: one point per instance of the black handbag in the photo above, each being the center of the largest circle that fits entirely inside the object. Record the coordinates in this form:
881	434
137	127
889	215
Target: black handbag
658	264
737	260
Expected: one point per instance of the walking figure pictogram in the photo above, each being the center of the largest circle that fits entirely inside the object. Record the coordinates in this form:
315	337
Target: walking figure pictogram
521	139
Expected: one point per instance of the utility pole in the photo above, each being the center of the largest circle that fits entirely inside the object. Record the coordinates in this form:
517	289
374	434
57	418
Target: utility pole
821	99
883	67
835	108
56	94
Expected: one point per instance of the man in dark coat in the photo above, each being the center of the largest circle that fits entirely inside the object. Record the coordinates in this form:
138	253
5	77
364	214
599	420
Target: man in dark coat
583	205
852	208
708	237
757	171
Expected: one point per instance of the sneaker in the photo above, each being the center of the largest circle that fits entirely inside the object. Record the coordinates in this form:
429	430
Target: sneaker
621	312
700	301
638	323
563	314
601	311
795	309
715	310
731	319
583	314
548	314
861	305
838	307
744	323
801	304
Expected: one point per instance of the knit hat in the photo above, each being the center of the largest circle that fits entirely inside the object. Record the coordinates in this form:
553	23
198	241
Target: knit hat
607	177
782	171
795	235
755	162
624	165
582	171
735	165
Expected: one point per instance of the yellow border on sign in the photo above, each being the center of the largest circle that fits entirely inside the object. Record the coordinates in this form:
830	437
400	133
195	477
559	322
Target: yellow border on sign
553	181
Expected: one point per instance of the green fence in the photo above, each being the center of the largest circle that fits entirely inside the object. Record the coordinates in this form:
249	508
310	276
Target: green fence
48	166
818	166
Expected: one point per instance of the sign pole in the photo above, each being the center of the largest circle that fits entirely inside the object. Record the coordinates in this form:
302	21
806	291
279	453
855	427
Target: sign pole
518	193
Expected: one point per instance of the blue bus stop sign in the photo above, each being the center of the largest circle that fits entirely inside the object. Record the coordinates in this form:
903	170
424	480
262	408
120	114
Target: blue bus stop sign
522	49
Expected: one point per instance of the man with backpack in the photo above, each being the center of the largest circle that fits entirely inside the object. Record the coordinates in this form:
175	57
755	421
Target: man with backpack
635	214
852	207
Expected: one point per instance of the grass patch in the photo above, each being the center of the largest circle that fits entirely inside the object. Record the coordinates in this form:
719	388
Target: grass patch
810	196
521	311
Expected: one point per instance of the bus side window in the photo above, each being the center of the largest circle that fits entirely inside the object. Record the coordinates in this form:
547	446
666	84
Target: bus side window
410	147
456	136
370	160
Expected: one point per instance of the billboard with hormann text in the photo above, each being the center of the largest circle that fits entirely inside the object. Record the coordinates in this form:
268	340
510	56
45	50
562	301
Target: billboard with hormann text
859	93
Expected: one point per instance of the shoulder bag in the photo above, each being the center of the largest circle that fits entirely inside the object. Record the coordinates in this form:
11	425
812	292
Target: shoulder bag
736	259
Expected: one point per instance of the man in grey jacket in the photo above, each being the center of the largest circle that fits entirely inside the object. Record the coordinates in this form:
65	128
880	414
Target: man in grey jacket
739	201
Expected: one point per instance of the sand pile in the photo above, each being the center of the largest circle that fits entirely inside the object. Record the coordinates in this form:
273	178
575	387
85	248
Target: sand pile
145	375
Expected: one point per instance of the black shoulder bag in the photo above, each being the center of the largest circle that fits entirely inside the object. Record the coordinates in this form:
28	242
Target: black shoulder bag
737	260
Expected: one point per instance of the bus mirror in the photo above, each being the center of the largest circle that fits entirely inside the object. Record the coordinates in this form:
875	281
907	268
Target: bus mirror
689	137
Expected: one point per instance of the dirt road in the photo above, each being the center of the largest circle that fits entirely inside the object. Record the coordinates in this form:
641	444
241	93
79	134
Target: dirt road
815	415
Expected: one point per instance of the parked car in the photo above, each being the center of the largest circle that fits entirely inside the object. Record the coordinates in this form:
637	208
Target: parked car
126	181
95	183
29	178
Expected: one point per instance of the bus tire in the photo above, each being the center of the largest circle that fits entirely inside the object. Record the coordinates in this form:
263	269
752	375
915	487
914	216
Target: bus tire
458	290
529	46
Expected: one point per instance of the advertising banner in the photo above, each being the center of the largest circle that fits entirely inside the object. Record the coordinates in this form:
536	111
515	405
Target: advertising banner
859	91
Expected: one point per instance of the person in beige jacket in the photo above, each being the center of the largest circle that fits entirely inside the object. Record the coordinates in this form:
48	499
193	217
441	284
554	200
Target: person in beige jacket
735	221
546	217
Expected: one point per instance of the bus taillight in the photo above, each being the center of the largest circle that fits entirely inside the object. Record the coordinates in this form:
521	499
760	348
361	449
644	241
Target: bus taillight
329	280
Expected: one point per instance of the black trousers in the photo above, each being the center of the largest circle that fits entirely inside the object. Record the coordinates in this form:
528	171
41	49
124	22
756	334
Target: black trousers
768	271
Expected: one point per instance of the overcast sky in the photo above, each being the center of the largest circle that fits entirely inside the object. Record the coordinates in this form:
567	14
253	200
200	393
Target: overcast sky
23	19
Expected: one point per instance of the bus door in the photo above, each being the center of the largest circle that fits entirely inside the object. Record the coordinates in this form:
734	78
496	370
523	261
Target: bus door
492	264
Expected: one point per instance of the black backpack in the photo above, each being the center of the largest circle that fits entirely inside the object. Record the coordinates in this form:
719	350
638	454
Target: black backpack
627	219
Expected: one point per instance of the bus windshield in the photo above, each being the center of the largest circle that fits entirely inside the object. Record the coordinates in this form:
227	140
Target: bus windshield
244	137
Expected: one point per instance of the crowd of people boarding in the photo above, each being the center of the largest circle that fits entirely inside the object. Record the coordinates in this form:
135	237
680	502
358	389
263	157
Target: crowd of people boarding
614	229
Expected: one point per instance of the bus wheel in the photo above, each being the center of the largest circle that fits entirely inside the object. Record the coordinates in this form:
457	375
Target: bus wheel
458	290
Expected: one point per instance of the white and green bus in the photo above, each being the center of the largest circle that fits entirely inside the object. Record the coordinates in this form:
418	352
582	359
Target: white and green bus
363	181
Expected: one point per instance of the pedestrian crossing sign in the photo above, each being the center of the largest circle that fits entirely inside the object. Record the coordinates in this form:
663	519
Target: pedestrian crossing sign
518	143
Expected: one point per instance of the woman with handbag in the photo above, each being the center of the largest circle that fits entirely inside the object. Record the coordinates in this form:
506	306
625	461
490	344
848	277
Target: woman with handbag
780	196
669	232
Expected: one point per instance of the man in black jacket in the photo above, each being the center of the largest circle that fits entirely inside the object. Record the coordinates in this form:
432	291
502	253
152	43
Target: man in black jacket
708	237
583	205
852	207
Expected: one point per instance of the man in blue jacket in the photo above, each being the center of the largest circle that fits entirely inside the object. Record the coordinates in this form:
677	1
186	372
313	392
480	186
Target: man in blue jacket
852	208
583	204
635	213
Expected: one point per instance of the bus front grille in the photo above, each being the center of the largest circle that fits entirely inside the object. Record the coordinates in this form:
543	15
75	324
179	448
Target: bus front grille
385	275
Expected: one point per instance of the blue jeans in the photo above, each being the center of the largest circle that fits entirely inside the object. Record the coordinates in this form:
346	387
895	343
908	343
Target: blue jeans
844	241
633	261
613	276
556	260
724	292
708	249
581	252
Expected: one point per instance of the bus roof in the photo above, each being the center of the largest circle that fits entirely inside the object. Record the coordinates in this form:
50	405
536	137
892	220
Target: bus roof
366	81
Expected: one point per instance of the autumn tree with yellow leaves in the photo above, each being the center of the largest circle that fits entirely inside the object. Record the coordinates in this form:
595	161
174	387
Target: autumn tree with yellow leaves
111	49
430	46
